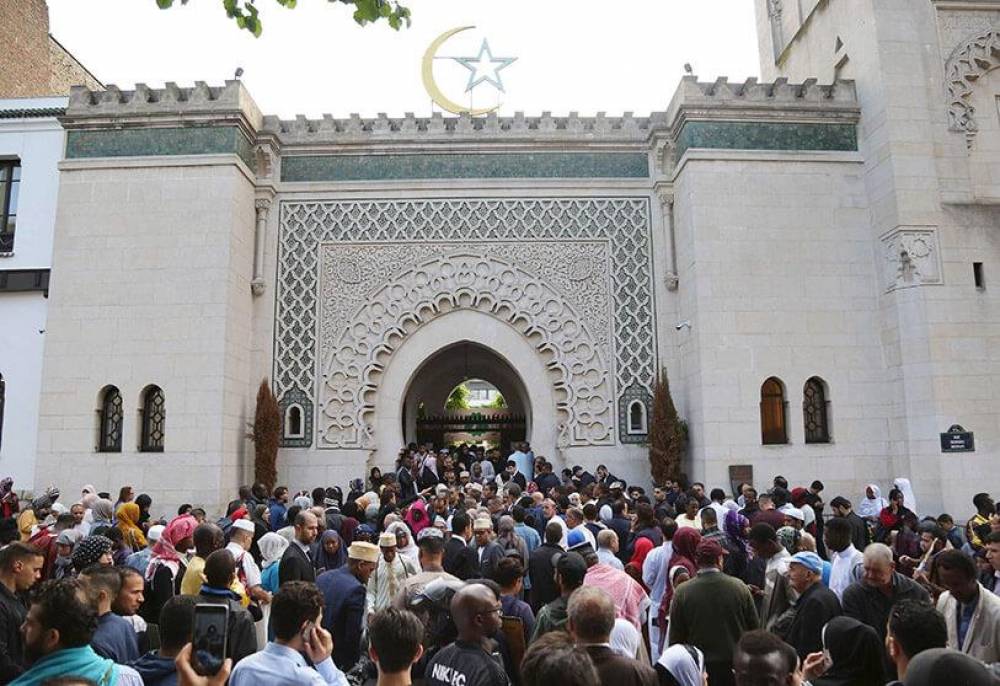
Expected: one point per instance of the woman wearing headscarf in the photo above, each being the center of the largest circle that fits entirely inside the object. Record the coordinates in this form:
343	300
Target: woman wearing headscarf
166	566
680	568
416	516
128	523
350	522
682	665
357	490
144	502
945	666
736	544
65	543
893	518
331	553
854	652
405	547
272	547
909	497
872	503
8	499
102	512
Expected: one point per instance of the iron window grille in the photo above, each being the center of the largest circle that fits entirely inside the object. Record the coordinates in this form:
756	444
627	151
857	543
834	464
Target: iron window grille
154	418
815	412
110	419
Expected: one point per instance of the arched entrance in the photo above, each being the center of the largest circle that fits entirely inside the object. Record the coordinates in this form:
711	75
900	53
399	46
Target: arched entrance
425	418
501	354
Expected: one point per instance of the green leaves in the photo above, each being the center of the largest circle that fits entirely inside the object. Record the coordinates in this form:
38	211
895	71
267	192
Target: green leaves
246	16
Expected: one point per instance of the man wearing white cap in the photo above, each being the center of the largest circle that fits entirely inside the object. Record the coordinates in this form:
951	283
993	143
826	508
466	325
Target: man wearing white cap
247	571
488	552
344	601
388	577
794	517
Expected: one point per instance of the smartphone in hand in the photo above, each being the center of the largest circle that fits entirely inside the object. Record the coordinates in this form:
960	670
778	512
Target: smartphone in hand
209	638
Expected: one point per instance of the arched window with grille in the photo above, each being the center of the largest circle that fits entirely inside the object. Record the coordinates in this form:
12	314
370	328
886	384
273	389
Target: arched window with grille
636	417
293	422
3	399
154	419
773	424
816	411
109	421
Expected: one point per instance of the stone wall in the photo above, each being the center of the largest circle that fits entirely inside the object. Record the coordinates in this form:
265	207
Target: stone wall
24	60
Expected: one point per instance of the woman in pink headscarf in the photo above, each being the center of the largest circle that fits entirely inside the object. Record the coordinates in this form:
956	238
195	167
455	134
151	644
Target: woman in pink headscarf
416	516
681	568
166	566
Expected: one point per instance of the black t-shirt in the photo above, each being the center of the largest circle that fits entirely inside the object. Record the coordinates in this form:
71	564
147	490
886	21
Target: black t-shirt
464	664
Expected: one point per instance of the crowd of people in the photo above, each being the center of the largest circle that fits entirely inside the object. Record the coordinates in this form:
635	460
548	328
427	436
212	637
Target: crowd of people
463	567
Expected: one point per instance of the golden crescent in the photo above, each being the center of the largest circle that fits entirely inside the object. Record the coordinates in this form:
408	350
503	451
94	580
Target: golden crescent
427	71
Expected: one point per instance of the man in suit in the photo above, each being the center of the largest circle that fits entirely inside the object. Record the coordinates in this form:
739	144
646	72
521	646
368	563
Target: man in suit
344	591
488	552
540	568
459	558
296	563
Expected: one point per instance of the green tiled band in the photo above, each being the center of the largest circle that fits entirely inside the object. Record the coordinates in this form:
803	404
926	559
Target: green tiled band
547	165
159	141
731	135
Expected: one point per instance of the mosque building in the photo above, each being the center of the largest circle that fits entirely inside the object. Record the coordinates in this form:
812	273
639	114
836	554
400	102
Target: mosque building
809	256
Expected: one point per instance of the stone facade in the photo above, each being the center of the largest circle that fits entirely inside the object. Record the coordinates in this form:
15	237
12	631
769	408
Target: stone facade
819	235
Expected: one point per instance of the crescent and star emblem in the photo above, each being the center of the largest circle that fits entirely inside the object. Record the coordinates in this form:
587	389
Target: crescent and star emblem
483	68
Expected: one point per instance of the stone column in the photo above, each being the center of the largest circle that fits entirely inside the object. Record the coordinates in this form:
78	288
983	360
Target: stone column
667	210
262	206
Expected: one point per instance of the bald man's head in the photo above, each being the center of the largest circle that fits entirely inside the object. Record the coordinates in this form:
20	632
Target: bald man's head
476	611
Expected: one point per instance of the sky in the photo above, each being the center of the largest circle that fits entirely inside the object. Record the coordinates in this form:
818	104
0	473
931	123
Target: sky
586	56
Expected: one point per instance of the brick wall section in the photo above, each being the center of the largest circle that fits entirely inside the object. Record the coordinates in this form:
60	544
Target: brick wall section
66	71
24	57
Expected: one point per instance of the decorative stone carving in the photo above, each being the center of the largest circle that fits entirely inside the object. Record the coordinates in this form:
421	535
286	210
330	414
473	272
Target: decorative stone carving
552	225
911	257
257	285
970	61
361	328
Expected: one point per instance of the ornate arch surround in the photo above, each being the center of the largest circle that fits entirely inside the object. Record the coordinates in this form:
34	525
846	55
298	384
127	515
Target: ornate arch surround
969	62
356	279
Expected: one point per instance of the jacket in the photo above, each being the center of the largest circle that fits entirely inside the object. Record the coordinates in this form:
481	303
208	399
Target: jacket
613	668
459	559
543	584
712	611
12	614
815	607
492	554
295	565
982	640
156	670
343	611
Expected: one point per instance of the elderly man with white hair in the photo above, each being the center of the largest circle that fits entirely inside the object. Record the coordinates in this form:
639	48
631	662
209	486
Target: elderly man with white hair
870	600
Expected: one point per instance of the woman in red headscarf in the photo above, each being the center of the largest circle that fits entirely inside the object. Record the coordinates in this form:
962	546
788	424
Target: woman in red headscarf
680	568
166	566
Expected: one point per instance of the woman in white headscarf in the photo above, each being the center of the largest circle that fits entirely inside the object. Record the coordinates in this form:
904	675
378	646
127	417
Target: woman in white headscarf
272	547
872	504
682	665
909	499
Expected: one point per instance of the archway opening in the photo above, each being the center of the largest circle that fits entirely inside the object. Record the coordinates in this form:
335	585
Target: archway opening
466	393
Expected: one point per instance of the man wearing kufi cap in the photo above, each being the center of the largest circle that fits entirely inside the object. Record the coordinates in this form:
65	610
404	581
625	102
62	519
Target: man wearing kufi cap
247	571
488	552
387	579
712	611
816	605
344	601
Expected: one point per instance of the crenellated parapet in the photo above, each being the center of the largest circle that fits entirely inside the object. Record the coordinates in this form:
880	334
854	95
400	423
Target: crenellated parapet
143	105
204	119
356	129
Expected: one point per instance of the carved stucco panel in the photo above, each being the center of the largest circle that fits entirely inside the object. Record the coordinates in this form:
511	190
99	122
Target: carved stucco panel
561	233
374	297
911	257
